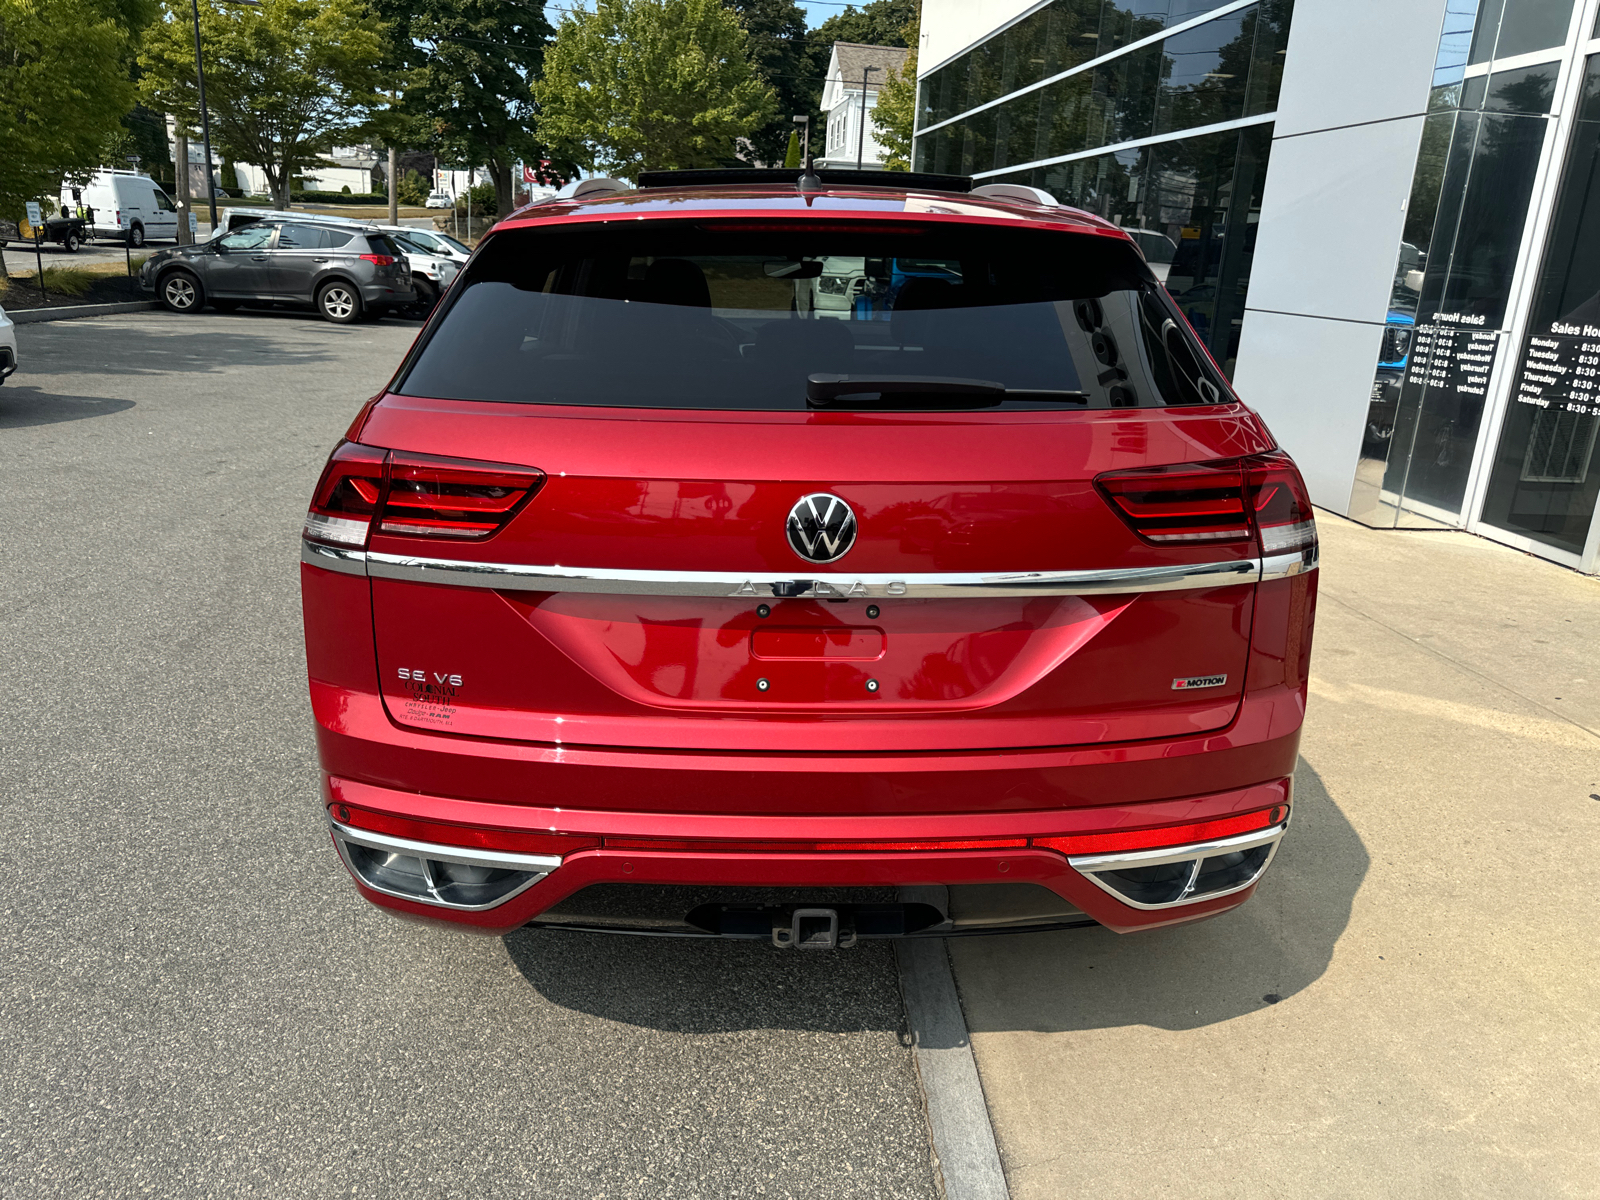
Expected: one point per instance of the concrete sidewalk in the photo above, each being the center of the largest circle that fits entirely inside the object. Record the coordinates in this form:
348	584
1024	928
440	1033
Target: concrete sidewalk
1410	1006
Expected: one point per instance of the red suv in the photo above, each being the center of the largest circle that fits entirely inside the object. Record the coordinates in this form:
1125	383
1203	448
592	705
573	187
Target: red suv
808	558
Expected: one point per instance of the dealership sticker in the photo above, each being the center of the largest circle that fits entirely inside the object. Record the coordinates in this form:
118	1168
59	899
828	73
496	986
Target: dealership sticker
1198	681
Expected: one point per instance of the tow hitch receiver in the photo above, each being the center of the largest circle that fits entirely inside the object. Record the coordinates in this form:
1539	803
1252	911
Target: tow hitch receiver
812	929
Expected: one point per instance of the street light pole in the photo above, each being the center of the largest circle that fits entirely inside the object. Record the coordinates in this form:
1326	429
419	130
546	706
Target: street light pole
861	142
205	116
805	137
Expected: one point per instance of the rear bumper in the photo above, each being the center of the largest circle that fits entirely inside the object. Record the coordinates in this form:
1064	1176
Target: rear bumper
493	830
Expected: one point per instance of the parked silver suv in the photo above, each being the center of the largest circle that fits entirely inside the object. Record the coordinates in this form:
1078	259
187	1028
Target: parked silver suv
346	272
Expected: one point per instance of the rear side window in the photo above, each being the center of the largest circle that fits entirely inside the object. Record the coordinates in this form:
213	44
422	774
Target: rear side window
336	238
767	316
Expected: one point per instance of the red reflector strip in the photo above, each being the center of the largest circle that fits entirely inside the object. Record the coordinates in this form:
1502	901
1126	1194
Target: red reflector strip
1165	835
710	847
461	835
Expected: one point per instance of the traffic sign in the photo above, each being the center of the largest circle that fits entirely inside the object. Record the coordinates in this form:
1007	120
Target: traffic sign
34	217
194	224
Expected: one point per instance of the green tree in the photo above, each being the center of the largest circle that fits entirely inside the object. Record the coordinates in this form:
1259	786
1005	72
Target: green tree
468	68
64	88
791	157
639	85
775	32
284	81
896	113
412	189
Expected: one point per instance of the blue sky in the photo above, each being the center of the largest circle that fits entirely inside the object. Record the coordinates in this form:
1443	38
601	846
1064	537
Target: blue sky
817	11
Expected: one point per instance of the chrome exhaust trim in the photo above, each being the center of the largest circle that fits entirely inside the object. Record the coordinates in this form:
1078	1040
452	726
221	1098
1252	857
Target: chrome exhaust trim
421	871
1135	878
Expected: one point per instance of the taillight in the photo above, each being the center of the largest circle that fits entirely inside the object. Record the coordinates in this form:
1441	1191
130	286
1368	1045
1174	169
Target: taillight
1196	502
1281	504
379	260
414	495
453	498
1260	498
347	496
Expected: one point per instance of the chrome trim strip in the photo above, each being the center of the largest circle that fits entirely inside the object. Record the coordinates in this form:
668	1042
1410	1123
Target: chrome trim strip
722	584
1285	566
539	865
333	558
1089	864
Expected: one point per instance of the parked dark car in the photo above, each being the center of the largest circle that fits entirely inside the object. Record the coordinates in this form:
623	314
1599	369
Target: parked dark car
344	272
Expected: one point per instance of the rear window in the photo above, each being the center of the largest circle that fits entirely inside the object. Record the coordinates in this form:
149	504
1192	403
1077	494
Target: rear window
382	243
769	316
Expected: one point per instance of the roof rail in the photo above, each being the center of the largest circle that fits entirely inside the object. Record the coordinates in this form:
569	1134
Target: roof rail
1017	191
767	176
598	185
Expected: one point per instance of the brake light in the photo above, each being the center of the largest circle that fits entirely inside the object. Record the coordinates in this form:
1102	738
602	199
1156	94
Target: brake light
453	498
1282	505
1166	835
1196	502
1260	498
347	496
379	260
415	495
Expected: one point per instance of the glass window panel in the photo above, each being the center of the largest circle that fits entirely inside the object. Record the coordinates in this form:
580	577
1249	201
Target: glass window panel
1455	42
1484	32
1473	91
1218	71
1528	90
1532	25
1546	476
1207	72
1056	38
1179	198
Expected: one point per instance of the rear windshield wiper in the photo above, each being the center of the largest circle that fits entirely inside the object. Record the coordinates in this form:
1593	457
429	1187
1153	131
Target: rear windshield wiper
904	391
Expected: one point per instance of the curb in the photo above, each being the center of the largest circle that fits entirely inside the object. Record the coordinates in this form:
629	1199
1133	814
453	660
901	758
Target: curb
952	1094
32	316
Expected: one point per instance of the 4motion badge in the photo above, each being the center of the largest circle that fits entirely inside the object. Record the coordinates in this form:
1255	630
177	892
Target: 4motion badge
1198	681
821	527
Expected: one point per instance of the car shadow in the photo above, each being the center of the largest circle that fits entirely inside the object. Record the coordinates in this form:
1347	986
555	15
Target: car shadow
1185	977
210	344
1278	943
687	985
21	407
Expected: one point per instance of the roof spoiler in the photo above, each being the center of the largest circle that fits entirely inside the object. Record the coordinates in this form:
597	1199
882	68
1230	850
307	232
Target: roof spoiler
767	176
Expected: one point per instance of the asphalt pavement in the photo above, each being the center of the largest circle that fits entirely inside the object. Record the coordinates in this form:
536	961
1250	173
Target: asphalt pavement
194	1001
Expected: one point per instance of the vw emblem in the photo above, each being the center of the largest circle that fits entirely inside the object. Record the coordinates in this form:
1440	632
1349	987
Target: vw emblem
821	527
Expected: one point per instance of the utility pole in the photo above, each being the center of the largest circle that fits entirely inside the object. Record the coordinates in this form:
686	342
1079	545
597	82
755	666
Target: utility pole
861	142
205	116
180	179
394	202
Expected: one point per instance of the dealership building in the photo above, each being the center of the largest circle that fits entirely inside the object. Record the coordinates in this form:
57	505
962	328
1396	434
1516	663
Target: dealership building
1383	217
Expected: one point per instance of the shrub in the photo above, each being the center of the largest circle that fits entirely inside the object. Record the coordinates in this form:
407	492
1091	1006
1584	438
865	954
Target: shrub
345	190
412	188
482	198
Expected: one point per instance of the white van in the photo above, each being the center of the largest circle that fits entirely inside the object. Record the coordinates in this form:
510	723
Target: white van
126	205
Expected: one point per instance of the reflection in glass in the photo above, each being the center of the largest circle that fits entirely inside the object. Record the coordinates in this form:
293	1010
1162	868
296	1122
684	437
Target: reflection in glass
1545	477
1193	206
1527	90
1532	25
1218	71
1464	223
1055	38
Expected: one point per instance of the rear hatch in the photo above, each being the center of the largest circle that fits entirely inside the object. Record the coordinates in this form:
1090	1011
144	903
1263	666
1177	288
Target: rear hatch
637	488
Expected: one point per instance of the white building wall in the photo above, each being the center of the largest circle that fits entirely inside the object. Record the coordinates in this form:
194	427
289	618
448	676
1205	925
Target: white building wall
1343	152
